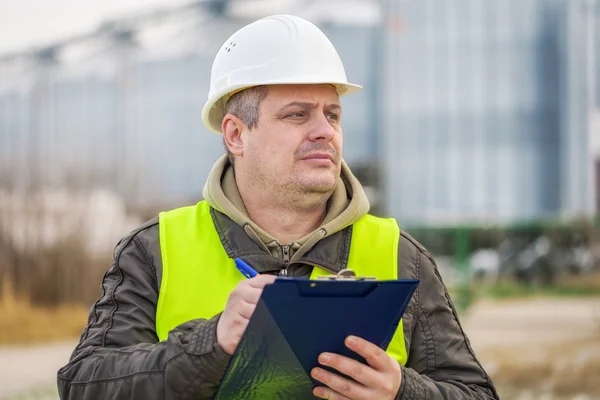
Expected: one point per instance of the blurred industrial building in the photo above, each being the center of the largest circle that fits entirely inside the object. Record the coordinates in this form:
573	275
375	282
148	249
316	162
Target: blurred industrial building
473	111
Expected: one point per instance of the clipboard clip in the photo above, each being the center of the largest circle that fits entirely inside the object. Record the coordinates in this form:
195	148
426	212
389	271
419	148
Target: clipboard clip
345	275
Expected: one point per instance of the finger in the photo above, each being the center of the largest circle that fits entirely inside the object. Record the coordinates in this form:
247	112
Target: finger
252	289
375	356
343	386
324	392
260	281
249	294
358	371
245	309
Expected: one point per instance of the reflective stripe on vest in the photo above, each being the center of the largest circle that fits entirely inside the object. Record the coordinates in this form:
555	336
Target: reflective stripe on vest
198	276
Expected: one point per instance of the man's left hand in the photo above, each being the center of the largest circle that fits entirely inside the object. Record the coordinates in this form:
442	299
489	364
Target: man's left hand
380	379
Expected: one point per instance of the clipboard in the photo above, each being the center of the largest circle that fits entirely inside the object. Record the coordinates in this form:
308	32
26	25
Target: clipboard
296	319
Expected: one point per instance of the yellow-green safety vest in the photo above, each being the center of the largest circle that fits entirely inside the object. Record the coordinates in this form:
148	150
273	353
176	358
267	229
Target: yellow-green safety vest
198	276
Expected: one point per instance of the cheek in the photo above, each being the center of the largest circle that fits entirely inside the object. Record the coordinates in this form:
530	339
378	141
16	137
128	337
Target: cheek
283	148
278	144
337	142
272	151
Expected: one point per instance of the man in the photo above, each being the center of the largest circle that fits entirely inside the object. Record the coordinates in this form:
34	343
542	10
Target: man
174	306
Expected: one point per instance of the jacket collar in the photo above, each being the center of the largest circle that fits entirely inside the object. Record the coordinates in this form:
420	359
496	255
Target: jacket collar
330	253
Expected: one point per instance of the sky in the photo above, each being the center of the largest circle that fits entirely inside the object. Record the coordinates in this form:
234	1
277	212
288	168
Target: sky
33	23
26	23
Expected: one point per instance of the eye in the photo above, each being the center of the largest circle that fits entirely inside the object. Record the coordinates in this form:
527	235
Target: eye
333	116
295	114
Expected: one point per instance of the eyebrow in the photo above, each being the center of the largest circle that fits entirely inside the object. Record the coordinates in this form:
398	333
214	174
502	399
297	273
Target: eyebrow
332	106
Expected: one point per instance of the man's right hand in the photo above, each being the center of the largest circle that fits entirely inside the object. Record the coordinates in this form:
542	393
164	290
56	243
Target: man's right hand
240	307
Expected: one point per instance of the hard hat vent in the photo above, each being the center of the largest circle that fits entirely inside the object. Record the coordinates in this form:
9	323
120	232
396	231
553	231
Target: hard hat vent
230	46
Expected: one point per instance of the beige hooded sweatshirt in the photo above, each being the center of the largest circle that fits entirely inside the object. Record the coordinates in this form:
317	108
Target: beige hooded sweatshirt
346	205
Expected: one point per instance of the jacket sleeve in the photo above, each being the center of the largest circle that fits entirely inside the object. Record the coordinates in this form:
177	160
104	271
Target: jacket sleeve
119	355
441	363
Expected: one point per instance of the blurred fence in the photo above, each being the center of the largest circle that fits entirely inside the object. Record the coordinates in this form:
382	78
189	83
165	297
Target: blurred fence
473	111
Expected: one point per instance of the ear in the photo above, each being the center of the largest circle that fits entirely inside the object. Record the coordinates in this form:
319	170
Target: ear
233	129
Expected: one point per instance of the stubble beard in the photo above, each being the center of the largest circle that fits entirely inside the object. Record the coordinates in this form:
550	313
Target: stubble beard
291	191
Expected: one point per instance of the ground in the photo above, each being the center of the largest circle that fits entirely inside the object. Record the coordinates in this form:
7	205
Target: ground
539	348
534	349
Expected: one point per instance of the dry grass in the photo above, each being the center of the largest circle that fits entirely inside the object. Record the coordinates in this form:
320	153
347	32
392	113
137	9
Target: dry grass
562	369
22	322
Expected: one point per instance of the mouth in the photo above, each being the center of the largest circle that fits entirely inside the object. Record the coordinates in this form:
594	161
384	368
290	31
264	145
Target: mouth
319	157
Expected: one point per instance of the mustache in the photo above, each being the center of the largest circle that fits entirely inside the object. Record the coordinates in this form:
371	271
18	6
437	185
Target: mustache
316	147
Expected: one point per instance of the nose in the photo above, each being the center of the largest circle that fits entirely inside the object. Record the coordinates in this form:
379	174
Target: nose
321	129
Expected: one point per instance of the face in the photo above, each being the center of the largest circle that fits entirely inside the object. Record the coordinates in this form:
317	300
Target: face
297	146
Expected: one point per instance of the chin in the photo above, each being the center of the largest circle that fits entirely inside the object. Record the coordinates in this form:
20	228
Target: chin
322	183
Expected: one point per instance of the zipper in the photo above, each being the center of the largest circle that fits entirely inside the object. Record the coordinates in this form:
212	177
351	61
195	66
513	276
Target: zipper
285	249
286	253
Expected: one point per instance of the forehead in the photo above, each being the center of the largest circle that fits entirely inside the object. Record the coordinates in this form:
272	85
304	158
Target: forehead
280	94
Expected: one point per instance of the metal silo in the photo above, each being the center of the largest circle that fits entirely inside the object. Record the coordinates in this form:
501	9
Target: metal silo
475	109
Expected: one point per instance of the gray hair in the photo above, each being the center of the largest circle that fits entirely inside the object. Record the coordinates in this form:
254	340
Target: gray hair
246	106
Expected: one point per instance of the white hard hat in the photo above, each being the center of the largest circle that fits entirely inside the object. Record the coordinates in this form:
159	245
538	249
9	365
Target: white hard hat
280	49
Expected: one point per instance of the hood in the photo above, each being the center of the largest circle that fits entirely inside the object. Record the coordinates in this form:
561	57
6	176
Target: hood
347	204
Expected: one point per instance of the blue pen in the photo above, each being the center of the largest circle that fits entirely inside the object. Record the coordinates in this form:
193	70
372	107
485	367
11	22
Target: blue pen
245	269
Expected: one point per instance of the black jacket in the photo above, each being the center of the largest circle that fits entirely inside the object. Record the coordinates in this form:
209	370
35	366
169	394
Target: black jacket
119	355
